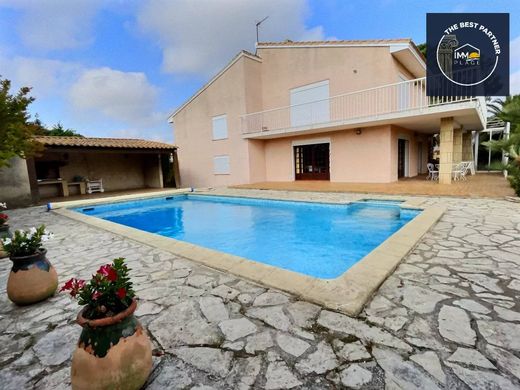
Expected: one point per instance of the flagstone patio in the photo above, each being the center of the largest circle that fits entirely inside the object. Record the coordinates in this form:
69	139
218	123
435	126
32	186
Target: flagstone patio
447	318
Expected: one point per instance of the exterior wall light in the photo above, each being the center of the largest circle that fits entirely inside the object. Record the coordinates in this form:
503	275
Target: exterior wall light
358	131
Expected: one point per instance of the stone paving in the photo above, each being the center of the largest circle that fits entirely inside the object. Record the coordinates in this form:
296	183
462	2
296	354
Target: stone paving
447	318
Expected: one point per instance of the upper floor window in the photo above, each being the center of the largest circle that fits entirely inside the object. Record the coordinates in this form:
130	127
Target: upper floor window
220	127
309	104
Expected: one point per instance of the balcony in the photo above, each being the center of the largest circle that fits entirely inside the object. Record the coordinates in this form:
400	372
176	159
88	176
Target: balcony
404	104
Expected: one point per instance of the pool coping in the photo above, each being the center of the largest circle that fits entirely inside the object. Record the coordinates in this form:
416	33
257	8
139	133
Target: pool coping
116	198
347	293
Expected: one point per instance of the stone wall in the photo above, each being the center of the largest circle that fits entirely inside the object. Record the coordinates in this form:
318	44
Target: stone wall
153	172
14	184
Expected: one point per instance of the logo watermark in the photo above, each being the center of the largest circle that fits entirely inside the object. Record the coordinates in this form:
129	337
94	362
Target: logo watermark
468	54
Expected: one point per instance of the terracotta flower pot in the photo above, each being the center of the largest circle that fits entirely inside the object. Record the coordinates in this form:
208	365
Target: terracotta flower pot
4	233
112	353
32	279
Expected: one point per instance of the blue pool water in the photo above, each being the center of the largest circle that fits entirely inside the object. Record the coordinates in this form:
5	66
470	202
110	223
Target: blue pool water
317	239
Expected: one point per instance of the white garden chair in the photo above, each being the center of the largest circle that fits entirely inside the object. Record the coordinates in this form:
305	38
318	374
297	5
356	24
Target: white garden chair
432	173
465	167
95	185
459	170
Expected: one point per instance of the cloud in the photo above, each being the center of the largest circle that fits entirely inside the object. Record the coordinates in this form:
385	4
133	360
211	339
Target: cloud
125	97
97	102
514	78
199	37
46	77
54	24
514	53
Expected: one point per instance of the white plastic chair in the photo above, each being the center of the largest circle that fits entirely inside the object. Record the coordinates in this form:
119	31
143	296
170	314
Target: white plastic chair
465	167
95	185
432	173
459	171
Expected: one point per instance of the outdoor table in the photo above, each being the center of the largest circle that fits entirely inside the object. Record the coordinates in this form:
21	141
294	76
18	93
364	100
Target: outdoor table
63	184
82	186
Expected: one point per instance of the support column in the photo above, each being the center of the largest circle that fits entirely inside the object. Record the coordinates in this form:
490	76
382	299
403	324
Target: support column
457	145
446	150
467	148
176	171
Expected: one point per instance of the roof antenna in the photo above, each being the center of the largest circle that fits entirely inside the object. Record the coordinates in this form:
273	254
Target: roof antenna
257	26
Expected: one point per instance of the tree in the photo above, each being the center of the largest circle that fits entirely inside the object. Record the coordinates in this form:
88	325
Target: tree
422	48
59	130
508	110
55	130
16	131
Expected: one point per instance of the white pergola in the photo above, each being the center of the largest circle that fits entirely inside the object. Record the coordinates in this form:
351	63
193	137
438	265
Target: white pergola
494	126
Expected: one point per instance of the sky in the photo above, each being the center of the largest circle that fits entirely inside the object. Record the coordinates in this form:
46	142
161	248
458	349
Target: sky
118	68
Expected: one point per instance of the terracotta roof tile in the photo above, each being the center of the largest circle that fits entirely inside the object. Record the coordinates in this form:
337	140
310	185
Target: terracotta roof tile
338	42
114	143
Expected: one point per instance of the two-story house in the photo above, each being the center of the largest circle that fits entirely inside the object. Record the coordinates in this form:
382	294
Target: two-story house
344	111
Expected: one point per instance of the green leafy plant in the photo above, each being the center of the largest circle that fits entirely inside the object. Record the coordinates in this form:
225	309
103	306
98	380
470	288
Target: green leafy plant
59	130
514	177
16	131
508	110
26	242
108	292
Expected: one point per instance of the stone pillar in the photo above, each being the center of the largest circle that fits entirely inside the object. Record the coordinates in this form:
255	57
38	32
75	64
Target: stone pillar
446	150
457	145
467	148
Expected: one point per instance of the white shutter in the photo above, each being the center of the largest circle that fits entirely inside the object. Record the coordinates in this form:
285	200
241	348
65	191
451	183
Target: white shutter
221	165
310	104
403	91
220	127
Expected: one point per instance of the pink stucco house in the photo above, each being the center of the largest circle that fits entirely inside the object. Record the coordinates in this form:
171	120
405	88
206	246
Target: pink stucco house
344	111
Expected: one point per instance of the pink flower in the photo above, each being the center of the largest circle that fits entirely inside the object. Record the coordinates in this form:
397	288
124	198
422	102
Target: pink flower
74	286
96	295
108	272
68	285
121	293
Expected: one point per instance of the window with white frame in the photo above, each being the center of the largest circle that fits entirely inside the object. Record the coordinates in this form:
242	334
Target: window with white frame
221	165
219	127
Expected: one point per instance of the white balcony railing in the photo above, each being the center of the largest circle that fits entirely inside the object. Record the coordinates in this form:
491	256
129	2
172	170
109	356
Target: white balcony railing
366	104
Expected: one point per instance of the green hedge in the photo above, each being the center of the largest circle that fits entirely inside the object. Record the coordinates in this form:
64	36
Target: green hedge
514	177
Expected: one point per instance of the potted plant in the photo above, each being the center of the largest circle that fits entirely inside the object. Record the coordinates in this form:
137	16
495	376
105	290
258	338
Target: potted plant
4	229
113	351
32	277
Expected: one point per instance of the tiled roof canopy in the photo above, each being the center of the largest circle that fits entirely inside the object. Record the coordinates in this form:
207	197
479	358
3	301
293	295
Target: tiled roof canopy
111	143
332	43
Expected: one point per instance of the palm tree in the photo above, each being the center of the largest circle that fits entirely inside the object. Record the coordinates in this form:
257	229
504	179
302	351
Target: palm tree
508	110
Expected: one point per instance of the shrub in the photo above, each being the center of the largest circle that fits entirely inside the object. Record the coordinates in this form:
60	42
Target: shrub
26	242
108	292
514	178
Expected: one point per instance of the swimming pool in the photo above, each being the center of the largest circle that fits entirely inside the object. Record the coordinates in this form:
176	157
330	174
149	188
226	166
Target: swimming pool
316	239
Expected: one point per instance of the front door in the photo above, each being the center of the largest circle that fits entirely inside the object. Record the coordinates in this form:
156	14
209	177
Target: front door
311	162
401	158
